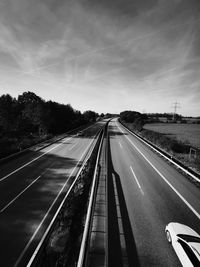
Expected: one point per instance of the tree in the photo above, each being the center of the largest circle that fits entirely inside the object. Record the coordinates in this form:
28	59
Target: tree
130	116
25	120
7	113
136	118
90	116
32	109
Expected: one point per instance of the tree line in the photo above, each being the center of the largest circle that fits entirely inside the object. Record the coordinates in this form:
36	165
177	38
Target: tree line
135	118
27	119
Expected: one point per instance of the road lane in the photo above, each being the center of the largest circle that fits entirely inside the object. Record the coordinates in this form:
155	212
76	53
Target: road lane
150	211
25	159
175	179
31	154
60	161
30	196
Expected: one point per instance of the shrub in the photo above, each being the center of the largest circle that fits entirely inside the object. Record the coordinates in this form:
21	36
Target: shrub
7	145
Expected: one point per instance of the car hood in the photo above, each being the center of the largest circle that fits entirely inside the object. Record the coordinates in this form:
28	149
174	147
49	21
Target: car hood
183	229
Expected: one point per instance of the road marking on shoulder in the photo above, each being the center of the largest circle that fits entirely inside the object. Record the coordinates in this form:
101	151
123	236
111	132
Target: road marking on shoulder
120	144
19	195
164	156
73	146
136	180
165	179
48	211
28	163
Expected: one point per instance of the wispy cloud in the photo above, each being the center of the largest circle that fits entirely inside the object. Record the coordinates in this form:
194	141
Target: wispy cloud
144	49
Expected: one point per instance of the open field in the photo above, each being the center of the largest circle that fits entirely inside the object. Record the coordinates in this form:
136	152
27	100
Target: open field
189	133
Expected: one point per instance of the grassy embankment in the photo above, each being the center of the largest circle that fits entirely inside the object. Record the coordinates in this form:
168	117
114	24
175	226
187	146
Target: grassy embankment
175	139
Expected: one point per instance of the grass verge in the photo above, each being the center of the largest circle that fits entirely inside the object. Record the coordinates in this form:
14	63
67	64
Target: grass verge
179	150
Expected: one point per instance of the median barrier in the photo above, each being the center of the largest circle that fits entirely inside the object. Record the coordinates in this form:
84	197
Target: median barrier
41	145
62	224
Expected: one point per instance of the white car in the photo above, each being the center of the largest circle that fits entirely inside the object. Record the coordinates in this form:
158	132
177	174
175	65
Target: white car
186	243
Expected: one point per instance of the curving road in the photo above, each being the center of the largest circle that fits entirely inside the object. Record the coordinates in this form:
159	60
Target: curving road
151	193
31	188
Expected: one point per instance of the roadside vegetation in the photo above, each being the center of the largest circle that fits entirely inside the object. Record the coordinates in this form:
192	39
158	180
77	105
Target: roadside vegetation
184	132
166	140
29	119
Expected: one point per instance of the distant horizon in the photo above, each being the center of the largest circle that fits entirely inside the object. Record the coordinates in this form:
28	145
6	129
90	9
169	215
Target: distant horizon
112	113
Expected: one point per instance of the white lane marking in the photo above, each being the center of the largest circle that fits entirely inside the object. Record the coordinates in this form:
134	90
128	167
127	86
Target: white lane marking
136	180
25	189
28	163
73	146
164	156
120	144
165	179
19	195
6	176
47	213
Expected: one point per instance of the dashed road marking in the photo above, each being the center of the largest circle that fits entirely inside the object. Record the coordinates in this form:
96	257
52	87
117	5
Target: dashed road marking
164	178
120	144
136	180
28	163
49	210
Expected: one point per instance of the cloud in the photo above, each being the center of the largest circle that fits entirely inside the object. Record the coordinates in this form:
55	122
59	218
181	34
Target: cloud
140	48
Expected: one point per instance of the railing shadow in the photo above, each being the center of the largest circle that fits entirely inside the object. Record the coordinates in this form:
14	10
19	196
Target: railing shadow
114	131
114	247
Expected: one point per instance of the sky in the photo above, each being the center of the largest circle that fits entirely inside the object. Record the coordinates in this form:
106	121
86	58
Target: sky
106	56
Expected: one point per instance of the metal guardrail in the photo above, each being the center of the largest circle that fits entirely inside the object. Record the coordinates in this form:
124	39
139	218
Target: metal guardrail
106	166
51	141
38	251
169	157
87	229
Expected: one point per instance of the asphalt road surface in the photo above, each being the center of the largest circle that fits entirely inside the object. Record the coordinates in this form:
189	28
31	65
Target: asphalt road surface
31	188
151	193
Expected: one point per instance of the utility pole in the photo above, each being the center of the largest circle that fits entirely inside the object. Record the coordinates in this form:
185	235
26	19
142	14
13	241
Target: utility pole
175	106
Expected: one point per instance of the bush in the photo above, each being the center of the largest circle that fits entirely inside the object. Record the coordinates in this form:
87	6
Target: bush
166	143
8	145
179	147
25	143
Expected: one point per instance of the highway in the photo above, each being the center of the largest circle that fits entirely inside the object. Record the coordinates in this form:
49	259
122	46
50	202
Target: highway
150	193
31	188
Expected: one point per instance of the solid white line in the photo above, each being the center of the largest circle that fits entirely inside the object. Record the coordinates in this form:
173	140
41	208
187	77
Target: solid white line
6	176
19	195
47	213
28	163
136	180
163	177
163	155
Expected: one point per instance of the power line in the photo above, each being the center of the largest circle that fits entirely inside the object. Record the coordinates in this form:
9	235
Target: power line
175	106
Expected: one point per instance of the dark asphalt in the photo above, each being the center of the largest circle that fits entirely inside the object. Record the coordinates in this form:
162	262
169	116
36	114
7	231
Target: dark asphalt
30	195
147	201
